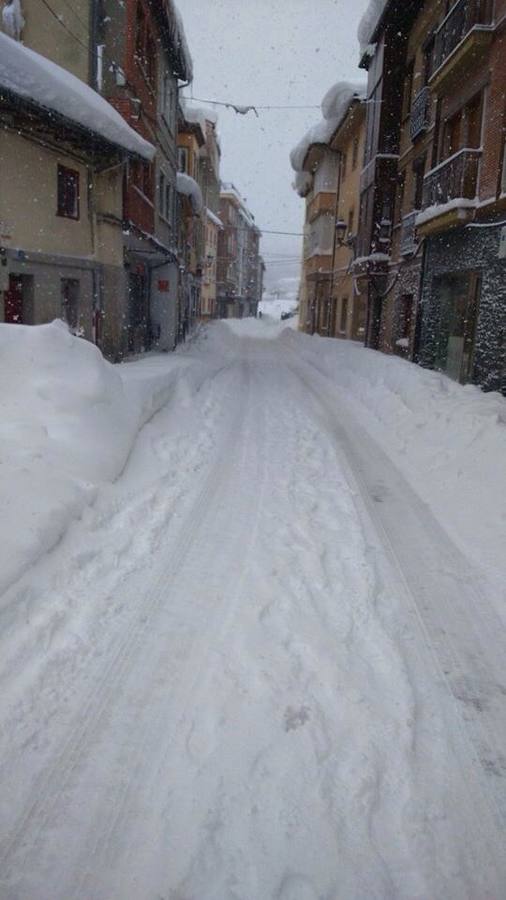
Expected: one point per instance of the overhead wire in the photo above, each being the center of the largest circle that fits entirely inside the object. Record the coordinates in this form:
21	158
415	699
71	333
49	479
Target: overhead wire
63	25
253	106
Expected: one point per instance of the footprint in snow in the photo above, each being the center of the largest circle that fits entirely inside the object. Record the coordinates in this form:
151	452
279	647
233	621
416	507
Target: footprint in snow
296	718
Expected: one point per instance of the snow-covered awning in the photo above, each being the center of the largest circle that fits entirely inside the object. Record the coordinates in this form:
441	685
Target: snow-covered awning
188	187
214	219
27	74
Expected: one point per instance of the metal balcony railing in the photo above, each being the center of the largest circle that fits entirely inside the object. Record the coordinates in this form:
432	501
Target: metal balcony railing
420	114
465	15
408	233
453	179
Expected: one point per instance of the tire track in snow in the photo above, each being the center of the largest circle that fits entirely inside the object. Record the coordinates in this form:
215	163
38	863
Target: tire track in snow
484	734
53	783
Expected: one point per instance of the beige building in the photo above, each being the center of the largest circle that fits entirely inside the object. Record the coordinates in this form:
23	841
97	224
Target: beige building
62	149
328	164
213	226
348	305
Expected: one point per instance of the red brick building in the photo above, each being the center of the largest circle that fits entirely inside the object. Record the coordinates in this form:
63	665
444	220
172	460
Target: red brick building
141	56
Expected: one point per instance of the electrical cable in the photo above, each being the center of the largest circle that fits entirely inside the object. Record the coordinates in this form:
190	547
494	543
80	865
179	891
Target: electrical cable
240	106
63	25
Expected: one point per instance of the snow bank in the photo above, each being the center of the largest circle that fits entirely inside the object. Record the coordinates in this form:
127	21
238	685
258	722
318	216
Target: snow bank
189	188
30	75
67	425
335	106
449	440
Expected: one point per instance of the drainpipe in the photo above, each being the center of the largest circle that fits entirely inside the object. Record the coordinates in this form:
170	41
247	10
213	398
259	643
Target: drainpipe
93	43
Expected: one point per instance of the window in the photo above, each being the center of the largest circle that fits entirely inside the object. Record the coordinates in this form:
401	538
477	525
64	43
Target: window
161	194
408	89
182	159
418	178
145	48
68	193
503	178
168	99
70	289
344	161
428	59
351	221
405	321
140	33
169	214
150	59
355	153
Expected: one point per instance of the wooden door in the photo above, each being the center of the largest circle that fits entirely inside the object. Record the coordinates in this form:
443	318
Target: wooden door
13	301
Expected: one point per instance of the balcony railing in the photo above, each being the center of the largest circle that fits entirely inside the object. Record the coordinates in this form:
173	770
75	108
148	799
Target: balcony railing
420	118
408	233
453	179
465	15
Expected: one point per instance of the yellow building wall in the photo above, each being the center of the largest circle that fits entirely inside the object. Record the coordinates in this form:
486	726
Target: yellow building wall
62	37
28	199
108	207
349	325
208	293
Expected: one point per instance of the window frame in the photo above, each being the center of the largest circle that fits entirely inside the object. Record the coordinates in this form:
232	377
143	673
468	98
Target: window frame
65	176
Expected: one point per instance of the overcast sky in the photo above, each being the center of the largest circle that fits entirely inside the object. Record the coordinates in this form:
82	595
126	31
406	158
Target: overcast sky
263	52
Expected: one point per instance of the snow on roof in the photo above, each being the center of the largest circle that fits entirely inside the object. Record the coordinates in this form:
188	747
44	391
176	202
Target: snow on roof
214	219
181	42
369	22
335	105
228	189
189	188
28	74
302	183
198	115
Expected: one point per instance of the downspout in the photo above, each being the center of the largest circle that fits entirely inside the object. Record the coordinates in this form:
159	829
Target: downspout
93	43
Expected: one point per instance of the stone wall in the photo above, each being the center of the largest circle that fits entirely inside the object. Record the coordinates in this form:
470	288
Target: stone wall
469	249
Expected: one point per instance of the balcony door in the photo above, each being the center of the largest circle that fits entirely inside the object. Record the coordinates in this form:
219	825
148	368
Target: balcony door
458	298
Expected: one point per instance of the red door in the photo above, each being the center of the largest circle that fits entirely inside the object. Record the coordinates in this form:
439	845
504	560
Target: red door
13	301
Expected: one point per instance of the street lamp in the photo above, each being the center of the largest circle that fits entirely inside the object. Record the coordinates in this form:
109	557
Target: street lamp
341	228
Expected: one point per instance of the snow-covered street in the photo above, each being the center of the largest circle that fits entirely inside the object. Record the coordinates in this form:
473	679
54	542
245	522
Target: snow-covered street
261	662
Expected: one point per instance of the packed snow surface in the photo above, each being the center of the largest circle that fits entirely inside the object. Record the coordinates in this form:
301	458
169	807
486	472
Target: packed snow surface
264	659
28	74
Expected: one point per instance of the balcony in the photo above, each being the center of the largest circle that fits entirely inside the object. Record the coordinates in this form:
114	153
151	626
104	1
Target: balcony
420	114
408	234
463	34
449	192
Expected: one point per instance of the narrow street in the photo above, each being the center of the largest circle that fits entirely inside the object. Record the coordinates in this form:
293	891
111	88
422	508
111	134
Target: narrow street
256	668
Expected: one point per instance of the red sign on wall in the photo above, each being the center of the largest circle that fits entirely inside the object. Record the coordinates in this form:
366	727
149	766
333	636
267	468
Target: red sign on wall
163	286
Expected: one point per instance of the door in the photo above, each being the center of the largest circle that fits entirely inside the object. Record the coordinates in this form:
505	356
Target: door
13	301
70	303
458	296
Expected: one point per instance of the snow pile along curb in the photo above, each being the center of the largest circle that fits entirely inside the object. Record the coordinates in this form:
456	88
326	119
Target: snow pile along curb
68	422
448	440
